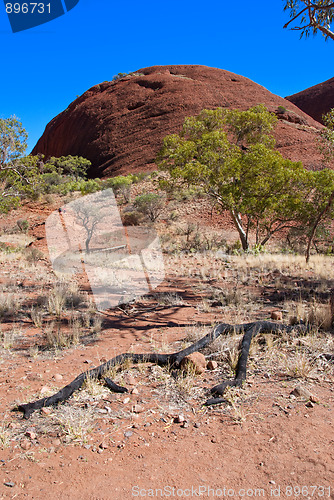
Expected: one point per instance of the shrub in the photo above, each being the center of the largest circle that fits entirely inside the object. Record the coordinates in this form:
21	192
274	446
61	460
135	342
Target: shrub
150	205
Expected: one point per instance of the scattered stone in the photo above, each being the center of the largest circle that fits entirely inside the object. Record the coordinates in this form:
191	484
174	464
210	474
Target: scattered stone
301	391
87	446
46	411
184	425
214	440
100	450
148	424
134	391
30	433
135	426
212	365
272	482
88	361
276	315
129	380
138	409
56	442
309	404
10	484
58	377
126	400
103	445
266	375
195	361
179	419
25	444
197	425
13	425
34	376
45	389
128	434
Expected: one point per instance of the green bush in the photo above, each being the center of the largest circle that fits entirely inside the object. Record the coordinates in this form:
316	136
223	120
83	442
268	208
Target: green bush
150	205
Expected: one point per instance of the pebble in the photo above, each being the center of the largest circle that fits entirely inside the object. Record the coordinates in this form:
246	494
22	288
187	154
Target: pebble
134	391
45	389
58	377
126	400
25	444
138	409
212	365
46	411
128	434
30	433
10	484
197	425
179	419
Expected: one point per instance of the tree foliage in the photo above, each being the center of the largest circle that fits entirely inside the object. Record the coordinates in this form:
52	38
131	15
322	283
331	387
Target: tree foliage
229	153
311	16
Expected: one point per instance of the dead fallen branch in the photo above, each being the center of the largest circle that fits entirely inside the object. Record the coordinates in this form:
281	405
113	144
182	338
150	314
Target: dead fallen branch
173	360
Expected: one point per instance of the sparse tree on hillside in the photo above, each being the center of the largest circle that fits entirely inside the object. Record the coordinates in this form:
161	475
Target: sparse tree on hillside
311	16
229	153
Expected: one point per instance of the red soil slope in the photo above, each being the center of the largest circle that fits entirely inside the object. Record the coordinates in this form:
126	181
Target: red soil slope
120	125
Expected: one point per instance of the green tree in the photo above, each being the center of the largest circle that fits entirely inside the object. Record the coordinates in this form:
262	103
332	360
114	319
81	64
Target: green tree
72	166
150	205
229	153
311	16
17	174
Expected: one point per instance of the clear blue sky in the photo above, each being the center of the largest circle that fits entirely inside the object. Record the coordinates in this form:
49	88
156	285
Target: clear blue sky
43	69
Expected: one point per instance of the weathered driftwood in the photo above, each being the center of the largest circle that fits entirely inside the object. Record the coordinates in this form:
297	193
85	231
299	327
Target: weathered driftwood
173	360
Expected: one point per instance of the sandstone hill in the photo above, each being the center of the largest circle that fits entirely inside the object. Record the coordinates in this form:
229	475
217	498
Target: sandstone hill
119	125
315	101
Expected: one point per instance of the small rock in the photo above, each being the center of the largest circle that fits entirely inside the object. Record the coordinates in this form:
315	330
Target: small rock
126	400
25	444
272	482
276	315
56	442
184	425
212	365
179	419
88	361
301	391
134	391
148	424
13	425
129	380
103	445
100	450
34	376
30	433
197	425
214	440
195	361
266	375
135	426
58	377
128	434
10	484
309	404
46	411
45	389
138	409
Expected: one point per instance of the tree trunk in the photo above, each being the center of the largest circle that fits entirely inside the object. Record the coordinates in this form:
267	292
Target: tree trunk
238	224
316	224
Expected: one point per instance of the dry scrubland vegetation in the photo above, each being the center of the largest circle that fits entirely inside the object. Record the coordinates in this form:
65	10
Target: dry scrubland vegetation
209	280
